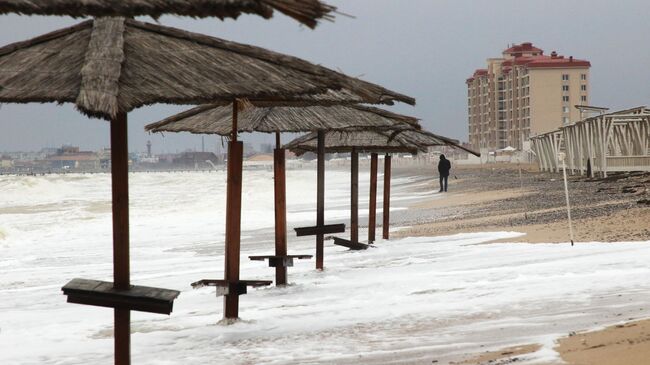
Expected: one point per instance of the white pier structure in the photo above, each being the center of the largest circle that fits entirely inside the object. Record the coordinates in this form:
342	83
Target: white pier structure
618	141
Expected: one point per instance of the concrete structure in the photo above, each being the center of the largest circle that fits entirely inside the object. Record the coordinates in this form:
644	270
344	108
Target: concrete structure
618	141
524	93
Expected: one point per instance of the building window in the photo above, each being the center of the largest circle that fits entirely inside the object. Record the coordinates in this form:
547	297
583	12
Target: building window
583	98
565	87
565	98
565	77
565	120
583	77
583	87
565	109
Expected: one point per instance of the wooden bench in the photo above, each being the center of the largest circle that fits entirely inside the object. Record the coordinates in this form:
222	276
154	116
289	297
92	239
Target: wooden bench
224	287
314	230
280	260
349	244
103	294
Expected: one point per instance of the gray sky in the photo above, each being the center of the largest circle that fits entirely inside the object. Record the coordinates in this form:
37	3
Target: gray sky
423	48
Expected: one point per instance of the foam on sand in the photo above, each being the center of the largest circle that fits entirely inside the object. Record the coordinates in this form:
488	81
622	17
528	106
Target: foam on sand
412	298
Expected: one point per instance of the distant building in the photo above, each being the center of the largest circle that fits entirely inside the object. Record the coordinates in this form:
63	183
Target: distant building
522	94
6	162
70	157
260	159
195	159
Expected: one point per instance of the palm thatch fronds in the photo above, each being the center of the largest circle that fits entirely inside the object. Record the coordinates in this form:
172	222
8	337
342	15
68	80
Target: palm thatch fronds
308	12
111	65
282	117
386	141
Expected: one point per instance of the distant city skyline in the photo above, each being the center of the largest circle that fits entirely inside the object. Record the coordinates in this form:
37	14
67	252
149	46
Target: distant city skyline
422	48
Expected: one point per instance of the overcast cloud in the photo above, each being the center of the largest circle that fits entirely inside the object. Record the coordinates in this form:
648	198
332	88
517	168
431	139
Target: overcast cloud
423	48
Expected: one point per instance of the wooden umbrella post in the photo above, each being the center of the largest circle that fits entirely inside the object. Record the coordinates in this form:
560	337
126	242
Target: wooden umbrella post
353	242
320	229
279	178
386	212
120	294
280	260
354	196
372	204
320	198
121	269
233	220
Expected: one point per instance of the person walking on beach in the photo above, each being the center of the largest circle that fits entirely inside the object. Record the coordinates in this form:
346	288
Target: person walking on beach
443	169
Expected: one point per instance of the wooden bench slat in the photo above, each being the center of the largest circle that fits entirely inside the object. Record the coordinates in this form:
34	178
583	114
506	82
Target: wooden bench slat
349	244
280	260
265	257
325	229
103	294
224	287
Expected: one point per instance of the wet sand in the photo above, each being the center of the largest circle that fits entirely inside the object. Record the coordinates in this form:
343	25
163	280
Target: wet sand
623	344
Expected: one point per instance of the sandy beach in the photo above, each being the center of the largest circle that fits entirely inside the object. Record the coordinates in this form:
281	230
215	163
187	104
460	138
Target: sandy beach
613	209
484	199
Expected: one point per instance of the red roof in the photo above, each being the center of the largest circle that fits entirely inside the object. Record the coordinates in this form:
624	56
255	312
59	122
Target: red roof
546	62
478	73
524	47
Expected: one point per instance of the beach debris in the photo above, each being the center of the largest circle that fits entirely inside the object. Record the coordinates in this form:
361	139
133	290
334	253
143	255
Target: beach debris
633	189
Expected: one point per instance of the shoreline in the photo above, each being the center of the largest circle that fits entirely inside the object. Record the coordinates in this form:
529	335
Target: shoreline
493	198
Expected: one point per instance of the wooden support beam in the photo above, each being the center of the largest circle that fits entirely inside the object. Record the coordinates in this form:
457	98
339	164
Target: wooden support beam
230	288
280	261
233	224
386	212
372	203
320	198
280	212
120	192
354	196
322	230
233	215
350	244
121	266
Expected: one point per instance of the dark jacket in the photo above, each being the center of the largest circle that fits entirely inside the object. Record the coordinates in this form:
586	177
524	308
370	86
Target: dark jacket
444	166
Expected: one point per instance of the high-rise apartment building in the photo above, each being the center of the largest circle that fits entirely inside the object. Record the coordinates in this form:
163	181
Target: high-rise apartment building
522	94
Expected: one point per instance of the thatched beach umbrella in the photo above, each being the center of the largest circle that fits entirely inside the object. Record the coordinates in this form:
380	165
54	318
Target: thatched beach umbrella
371	141
110	66
307	12
284	117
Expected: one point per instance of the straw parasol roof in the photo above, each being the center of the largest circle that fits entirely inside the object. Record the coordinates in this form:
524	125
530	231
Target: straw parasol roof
111	65
286	117
307	12
407	141
428	139
362	141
